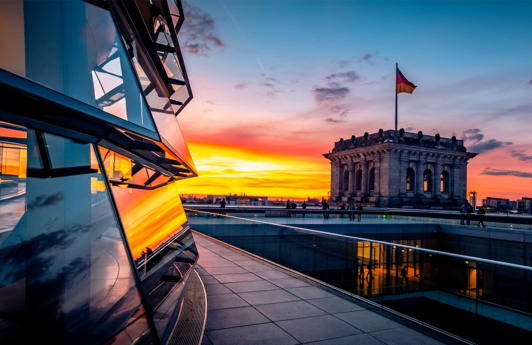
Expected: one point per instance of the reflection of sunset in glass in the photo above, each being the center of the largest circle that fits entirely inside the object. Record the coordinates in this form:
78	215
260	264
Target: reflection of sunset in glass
150	217
233	169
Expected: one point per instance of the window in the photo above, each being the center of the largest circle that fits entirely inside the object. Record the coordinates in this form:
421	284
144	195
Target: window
372	179
427	180
358	181
410	179
444	184
345	180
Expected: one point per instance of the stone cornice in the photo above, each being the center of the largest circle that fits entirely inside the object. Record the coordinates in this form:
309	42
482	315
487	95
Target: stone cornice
382	149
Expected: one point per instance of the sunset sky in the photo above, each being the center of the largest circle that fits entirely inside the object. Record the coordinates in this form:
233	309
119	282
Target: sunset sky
277	82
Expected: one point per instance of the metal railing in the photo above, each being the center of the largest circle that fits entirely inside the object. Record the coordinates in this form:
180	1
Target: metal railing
421	283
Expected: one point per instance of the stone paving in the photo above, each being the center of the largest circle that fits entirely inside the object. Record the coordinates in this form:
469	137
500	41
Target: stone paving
251	302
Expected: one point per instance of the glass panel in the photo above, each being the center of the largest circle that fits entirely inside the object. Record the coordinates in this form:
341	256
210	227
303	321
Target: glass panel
126	173
486	302
157	231
66	276
72	47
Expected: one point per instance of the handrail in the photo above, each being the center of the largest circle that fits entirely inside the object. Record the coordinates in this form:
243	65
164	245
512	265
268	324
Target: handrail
431	251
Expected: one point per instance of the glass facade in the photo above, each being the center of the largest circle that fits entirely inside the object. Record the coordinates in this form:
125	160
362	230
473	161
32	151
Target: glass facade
88	62
94	242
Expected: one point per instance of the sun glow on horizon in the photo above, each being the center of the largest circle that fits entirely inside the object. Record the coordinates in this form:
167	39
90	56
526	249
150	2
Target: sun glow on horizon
228	169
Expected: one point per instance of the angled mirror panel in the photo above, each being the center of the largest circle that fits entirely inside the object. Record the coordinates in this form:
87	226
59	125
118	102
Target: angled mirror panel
66	276
159	238
72	47
172	137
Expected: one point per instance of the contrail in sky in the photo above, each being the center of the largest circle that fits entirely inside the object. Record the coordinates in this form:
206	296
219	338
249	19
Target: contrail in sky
249	47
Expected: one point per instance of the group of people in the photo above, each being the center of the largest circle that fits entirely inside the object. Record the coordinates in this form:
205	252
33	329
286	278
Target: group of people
351	208
465	215
292	206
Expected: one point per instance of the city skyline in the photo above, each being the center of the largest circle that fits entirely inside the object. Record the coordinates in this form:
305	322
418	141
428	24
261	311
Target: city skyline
276	96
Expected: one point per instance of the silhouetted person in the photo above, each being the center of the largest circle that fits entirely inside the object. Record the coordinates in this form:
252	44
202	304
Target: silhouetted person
359	214
342	209
288	205
148	251
222	206
294	206
481	214
462	214
304	207
361	272
370	273
325	208
403	274
351	208
468	212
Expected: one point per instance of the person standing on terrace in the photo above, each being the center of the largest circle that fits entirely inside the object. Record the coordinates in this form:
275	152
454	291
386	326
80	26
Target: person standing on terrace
359	214
222	206
462	214
481	214
325	208
304	207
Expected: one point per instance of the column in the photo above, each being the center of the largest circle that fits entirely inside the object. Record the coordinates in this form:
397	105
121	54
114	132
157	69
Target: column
403	167
438	168
419	175
351	187
457	180
335	178
365	180
377	161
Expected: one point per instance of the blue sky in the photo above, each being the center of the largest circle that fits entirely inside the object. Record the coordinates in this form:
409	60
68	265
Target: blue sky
292	77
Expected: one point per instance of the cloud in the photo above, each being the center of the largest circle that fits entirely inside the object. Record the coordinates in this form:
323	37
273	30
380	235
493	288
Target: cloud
488	145
474	137
241	85
367	58
268	85
343	64
520	154
341	111
198	33
473	134
209	102
322	94
46	200
530	82
348	76
496	172
331	120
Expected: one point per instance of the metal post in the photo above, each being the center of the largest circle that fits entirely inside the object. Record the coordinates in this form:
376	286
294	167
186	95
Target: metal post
396	68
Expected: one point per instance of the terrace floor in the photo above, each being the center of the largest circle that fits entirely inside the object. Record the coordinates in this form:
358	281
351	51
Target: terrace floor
252	302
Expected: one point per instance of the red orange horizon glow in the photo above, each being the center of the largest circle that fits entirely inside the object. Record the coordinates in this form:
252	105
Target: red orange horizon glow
233	169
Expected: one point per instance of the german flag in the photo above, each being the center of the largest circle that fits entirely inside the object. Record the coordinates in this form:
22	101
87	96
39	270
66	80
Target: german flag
403	85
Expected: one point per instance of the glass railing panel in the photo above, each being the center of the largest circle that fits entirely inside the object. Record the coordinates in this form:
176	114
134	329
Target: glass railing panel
476	299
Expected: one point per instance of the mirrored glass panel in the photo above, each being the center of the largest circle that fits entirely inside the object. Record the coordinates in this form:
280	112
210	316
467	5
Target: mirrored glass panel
72	47
158	234
66	276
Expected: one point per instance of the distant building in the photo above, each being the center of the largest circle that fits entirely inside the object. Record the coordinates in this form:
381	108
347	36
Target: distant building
524	205
396	168
496	204
473	199
240	200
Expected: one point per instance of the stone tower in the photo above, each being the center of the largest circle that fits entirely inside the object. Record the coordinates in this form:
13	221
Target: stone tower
395	168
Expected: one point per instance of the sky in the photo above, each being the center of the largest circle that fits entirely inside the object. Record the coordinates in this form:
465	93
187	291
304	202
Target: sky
276	83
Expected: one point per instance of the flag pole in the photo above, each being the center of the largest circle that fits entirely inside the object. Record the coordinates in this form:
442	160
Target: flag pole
396	67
